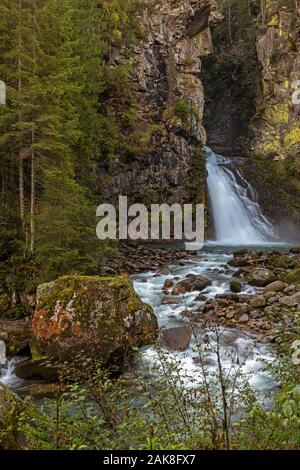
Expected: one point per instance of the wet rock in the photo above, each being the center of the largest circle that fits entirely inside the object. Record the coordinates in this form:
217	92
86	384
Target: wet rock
276	286
177	338
209	306
295	250
162	272
200	298
236	286
190	284
30	369
170	301
169	283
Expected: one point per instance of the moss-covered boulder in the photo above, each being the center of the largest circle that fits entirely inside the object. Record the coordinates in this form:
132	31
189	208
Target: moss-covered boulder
260	277
293	277
102	317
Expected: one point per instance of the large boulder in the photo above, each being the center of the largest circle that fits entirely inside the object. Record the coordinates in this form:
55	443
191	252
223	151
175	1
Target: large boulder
190	284
260	277
29	369
276	286
101	317
177	338
236	286
290	300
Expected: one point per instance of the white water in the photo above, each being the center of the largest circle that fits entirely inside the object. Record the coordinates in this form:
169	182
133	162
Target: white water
237	217
252	354
7	373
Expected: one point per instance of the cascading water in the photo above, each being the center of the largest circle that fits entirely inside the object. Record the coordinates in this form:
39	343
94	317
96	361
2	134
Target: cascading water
237	217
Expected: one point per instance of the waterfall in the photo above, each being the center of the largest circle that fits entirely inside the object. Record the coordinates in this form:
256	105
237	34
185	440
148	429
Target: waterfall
237	217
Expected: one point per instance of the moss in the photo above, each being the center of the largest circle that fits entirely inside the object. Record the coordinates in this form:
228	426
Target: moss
18	312
35	354
293	277
279	261
4	301
292	138
71	288
274	21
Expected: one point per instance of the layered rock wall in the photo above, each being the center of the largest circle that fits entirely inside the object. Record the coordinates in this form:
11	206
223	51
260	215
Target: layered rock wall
170	105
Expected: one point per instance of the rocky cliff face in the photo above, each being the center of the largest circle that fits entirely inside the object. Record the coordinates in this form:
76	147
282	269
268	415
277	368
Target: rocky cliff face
275	171
170	105
276	125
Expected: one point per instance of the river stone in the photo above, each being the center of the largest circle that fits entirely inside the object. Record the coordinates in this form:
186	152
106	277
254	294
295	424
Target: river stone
230	315
228	296
273	300
177	338
30	369
236	286
276	286
295	250
200	298
260	277
244	318
291	300
191	283
168	284
162	272
101	317
258	301
170	301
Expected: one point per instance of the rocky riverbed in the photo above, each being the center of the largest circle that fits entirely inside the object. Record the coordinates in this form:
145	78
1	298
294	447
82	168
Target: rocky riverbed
254	295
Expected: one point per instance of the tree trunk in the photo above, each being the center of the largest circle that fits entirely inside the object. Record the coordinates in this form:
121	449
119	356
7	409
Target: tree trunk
229	22
249	7
32	202
21	158
263	12
33	160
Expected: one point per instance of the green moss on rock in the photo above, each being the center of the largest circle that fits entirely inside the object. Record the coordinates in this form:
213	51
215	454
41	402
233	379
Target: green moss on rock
102	316
293	277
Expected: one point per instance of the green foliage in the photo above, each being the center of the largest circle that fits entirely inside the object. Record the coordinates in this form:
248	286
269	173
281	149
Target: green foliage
93	410
70	104
66	237
274	429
